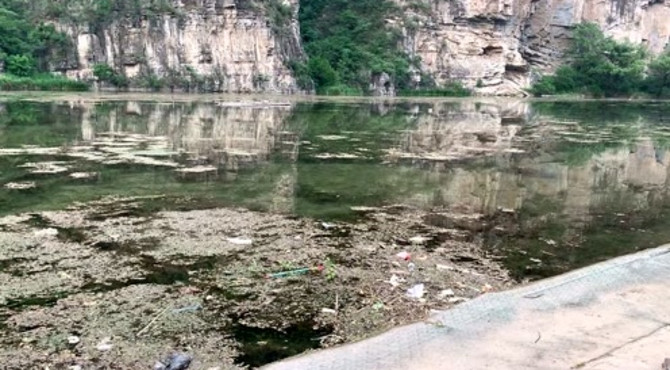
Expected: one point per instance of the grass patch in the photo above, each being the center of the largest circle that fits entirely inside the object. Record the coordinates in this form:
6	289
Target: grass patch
453	89
43	82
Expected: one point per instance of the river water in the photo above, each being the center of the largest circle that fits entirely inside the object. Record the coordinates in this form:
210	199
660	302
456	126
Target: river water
551	186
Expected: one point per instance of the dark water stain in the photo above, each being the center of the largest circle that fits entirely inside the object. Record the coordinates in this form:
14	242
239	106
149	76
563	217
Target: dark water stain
261	346
65	234
20	304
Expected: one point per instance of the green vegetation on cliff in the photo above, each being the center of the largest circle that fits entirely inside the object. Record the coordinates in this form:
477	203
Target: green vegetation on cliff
27	49
601	66
348	42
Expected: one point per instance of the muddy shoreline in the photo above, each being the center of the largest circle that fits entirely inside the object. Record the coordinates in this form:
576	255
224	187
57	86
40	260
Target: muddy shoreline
134	286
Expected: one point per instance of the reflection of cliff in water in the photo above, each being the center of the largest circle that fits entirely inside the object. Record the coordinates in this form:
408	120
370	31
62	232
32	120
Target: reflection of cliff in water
457	131
194	134
543	185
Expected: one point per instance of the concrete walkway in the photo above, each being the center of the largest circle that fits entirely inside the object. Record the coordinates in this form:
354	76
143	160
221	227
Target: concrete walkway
613	315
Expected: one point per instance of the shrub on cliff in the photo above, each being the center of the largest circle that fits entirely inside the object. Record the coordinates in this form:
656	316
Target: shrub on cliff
20	65
105	73
597	65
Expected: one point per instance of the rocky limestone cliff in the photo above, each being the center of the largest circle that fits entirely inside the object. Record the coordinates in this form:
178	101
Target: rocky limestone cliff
228	45
497	46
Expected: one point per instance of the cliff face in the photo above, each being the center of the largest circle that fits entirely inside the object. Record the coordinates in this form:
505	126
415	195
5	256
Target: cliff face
496	45
227	45
493	46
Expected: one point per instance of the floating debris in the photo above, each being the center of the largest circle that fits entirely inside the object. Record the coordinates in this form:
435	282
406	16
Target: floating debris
45	168
197	173
332	137
337	156
84	175
395	280
20	185
416	292
404	255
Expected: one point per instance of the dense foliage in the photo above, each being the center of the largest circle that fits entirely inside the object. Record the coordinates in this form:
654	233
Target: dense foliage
601	66
348	42
27	47
658	79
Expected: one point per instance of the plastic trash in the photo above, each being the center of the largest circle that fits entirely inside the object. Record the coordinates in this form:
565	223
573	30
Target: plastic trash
329	310
395	280
240	241
72	340
297	272
176	361
416	291
404	255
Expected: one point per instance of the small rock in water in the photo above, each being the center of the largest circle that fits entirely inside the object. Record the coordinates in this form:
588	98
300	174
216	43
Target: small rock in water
240	241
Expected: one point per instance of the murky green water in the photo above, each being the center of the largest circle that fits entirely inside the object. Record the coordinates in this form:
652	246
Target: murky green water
556	185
